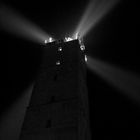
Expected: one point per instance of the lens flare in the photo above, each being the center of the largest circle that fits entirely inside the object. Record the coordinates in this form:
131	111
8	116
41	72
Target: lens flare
14	23
123	80
95	11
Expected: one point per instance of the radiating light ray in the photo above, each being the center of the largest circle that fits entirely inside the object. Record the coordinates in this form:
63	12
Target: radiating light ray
123	80
14	23
12	119
95	11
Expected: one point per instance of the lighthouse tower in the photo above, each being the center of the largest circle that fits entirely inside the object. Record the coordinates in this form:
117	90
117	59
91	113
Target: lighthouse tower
58	108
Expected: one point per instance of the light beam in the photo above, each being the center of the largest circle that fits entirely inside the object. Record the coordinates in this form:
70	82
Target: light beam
123	80
12	119
95	11
14	23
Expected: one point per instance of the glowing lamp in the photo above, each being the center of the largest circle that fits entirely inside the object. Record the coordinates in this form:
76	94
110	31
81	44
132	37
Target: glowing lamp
60	49
50	39
86	58
77	36
82	47
58	63
68	39
46	41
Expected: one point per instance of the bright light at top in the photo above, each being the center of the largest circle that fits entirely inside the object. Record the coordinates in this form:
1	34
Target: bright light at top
82	47
60	49
86	58
48	40
58	62
77	36
68	39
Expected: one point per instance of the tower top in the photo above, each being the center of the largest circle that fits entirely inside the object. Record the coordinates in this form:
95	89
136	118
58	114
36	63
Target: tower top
52	42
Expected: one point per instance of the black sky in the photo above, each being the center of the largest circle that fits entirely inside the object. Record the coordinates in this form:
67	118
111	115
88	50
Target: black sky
114	40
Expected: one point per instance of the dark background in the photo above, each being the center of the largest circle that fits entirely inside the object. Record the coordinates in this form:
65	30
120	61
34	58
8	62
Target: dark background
114	40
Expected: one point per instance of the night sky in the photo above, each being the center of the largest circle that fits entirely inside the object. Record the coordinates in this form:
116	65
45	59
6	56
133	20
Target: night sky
113	40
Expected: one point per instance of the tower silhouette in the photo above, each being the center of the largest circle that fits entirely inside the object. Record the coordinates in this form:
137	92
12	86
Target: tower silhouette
58	108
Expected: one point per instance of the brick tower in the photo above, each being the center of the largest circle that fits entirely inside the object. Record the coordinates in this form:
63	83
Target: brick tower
58	108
